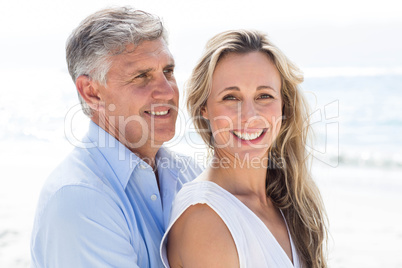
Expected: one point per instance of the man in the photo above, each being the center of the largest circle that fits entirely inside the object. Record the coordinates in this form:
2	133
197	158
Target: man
107	205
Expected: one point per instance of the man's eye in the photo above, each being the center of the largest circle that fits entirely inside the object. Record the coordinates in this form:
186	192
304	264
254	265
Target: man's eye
143	75
168	72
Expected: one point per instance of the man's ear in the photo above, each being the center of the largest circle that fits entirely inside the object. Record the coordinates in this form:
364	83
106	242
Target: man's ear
88	90
204	113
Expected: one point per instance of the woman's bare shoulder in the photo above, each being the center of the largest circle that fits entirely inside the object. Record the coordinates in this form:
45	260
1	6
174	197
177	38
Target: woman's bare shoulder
200	238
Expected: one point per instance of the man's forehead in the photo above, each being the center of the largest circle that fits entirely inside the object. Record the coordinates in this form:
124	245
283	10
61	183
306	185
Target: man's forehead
157	46
146	52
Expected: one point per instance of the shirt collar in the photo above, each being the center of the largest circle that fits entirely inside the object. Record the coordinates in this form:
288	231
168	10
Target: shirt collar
120	158
167	160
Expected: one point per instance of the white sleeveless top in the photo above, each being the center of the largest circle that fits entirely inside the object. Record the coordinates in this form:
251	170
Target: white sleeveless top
256	246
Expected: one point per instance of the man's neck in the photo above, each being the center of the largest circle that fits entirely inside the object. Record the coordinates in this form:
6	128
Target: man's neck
147	152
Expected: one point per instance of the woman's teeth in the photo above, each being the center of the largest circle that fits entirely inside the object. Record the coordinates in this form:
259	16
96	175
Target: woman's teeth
248	136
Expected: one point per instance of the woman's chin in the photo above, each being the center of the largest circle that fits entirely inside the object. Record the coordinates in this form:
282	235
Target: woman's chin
250	158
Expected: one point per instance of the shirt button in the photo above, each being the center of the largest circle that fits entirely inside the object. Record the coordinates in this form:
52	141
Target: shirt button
142	166
154	197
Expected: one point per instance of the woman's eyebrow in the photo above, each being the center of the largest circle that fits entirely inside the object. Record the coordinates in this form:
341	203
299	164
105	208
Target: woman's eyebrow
238	89
265	87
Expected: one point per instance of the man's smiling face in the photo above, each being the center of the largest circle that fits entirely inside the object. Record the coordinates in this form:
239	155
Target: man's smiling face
141	97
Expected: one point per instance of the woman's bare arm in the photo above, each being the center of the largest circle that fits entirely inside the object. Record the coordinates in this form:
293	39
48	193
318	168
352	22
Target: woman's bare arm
199	238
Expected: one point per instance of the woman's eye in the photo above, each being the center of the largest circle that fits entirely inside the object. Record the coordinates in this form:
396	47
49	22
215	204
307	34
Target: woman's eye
265	96
229	97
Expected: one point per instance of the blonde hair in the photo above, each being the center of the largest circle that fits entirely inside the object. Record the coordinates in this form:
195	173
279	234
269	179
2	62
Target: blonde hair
289	184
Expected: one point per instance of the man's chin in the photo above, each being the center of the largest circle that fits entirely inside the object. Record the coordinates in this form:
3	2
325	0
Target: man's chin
160	137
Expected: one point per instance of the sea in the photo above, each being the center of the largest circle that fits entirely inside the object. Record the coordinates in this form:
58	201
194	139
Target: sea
356	117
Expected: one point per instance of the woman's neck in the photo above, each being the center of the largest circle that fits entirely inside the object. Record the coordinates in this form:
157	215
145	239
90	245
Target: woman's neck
241	176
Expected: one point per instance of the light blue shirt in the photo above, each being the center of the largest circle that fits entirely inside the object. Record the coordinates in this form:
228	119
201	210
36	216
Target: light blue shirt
102	207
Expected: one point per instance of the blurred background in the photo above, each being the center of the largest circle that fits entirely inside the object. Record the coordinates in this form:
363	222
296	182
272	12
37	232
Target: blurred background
350	52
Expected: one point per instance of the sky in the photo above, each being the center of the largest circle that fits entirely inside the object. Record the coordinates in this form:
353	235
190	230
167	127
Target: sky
314	34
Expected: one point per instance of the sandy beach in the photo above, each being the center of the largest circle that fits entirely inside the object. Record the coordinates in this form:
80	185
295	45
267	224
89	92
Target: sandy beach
363	206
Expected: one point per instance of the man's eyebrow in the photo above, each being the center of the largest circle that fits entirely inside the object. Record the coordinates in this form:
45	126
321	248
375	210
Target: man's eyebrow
141	71
170	66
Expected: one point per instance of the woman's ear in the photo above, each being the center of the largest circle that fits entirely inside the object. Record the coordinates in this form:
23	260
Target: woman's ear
88	89
204	112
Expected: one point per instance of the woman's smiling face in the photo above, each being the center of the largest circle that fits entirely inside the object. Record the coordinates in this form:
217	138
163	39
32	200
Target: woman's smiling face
245	105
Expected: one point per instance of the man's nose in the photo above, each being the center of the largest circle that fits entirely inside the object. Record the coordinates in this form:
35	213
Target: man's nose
164	89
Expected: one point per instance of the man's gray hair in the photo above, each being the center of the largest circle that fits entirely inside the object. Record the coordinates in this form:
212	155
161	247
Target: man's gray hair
104	34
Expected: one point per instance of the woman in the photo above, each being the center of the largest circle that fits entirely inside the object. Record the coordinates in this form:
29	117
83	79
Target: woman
256	204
